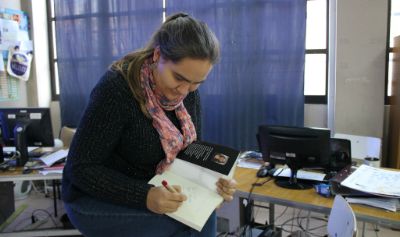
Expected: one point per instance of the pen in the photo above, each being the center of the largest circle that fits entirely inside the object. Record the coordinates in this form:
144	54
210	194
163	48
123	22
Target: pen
169	188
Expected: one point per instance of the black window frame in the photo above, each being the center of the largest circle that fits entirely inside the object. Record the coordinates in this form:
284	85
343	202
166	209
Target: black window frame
53	60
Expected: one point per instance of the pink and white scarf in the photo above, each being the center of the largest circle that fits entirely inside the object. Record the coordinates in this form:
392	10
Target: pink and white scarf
172	140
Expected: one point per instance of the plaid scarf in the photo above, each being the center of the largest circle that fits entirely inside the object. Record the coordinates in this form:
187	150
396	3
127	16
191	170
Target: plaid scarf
172	140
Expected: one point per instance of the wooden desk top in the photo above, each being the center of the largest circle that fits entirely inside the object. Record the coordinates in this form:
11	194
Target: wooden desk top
16	175
305	199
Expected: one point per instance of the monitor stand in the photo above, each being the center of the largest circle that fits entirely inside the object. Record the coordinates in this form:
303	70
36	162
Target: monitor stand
293	182
21	147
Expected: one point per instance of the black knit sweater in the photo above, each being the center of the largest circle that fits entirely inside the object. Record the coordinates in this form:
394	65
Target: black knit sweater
116	149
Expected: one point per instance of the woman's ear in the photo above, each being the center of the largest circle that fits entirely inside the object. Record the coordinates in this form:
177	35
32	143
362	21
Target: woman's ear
156	54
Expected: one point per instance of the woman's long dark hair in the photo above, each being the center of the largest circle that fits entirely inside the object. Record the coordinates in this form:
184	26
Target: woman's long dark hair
180	36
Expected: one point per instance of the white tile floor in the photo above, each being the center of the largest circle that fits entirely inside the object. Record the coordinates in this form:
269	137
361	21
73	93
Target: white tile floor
41	207
290	219
287	218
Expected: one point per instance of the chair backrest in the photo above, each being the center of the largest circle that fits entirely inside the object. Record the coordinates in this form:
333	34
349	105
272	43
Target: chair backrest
342	221
66	136
362	146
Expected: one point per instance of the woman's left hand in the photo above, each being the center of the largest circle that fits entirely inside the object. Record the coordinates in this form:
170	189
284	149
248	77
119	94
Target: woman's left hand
226	188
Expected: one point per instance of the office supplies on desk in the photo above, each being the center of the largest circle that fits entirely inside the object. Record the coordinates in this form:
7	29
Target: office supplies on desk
373	180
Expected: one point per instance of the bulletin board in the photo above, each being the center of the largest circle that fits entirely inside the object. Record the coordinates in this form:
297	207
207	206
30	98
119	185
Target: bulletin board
14	31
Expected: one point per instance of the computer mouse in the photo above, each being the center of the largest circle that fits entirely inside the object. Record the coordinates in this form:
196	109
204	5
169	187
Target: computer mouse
263	172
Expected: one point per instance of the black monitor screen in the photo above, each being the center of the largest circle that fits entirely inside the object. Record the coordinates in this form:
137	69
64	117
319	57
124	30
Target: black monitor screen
23	127
297	147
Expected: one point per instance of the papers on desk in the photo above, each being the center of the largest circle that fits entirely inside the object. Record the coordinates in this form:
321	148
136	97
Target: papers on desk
301	174
52	158
390	204
47	163
376	181
57	169
250	163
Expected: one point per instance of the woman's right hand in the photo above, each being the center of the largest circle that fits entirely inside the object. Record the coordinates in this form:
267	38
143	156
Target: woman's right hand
160	200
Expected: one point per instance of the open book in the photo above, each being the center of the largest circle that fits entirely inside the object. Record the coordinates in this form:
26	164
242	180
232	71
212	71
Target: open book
197	170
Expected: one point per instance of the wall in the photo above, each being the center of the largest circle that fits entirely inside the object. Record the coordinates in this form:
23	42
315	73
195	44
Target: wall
360	70
360	82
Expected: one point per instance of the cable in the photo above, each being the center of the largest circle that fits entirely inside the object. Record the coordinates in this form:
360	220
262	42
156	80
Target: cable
246	209
226	234
300	225
294	213
48	213
280	215
255	184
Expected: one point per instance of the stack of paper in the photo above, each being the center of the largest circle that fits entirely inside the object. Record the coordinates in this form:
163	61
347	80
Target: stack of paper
391	204
376	181
50	159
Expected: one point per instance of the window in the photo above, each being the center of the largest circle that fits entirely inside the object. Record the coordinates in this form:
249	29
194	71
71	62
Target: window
393	31
316	61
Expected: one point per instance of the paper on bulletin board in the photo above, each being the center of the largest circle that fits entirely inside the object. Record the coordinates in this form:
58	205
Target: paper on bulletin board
9	31
14	27
8	85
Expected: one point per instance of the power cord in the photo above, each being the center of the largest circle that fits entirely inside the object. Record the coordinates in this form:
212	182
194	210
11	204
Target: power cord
46	212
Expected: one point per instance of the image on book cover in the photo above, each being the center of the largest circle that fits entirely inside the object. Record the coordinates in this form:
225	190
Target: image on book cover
212	156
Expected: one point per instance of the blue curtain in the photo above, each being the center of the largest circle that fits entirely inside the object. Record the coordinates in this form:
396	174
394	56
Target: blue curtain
259	79
90	35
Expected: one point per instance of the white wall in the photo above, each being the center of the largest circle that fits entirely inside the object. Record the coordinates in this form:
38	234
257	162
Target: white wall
40	86
360	84
360	73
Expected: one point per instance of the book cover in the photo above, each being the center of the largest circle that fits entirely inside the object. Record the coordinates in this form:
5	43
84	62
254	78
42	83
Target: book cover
197	170
211	156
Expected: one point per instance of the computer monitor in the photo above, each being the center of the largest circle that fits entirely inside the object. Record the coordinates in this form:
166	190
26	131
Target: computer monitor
297	147
23	127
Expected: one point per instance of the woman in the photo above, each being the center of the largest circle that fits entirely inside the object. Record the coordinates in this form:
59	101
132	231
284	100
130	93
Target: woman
142	112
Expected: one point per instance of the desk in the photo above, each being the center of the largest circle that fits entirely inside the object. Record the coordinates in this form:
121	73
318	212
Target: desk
305	199
16	175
